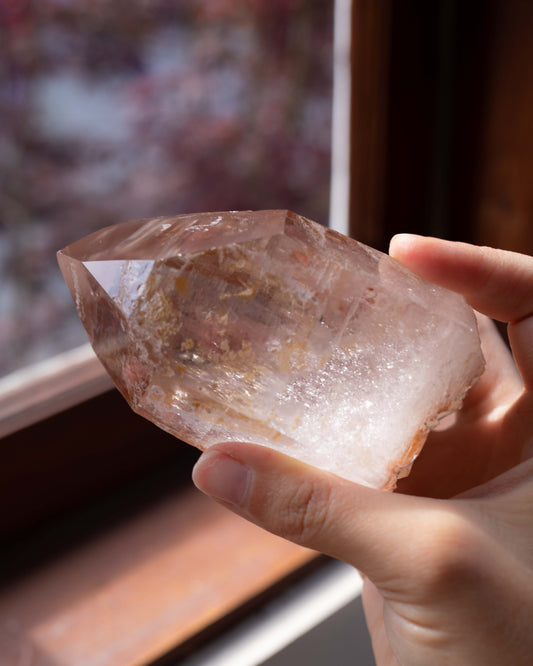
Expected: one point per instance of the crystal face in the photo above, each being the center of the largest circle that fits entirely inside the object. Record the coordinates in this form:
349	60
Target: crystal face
268	328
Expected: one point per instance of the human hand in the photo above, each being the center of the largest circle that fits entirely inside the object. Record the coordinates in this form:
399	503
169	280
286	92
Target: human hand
447	581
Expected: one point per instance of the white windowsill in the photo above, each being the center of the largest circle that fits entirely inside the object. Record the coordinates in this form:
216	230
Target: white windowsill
297	612
46	388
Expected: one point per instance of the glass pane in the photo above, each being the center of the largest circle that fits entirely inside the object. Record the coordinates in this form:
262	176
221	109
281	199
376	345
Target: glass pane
126	109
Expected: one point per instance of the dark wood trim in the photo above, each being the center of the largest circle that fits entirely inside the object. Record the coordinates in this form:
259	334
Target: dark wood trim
369	117
76	457
493	175
441	136
402	59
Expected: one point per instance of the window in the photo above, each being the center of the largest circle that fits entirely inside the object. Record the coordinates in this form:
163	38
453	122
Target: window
107	551
111	111
121	110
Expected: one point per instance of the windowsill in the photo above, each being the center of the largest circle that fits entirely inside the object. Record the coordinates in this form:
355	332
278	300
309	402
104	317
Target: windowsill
115	584
32	394
133	593
313	621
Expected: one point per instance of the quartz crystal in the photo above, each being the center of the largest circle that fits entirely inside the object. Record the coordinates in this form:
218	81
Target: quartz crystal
266	327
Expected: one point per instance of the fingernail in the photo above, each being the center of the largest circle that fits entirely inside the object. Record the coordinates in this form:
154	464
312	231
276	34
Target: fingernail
222	477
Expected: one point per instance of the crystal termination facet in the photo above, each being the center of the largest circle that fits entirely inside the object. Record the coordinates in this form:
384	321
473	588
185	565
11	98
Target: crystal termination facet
268	328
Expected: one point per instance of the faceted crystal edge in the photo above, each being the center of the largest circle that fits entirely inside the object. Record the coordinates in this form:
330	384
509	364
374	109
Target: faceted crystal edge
116	241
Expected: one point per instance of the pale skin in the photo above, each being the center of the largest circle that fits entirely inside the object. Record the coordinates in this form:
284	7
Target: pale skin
447	559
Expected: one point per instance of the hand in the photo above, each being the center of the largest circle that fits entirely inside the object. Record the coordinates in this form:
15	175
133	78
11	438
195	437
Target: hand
447	581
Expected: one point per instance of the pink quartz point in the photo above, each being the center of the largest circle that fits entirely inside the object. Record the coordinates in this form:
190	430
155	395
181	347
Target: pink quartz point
266	327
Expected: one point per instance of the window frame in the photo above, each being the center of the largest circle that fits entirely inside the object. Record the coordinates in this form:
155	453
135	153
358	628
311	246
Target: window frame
65	397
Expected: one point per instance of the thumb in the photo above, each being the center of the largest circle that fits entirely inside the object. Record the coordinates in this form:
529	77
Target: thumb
377	532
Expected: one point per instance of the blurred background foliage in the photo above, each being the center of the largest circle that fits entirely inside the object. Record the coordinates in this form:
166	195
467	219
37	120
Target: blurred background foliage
119	109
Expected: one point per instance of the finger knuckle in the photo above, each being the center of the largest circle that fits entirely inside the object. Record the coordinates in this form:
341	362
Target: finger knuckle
304	512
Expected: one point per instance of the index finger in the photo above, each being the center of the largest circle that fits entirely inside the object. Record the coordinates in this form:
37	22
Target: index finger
495	282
